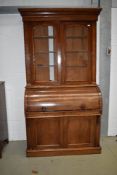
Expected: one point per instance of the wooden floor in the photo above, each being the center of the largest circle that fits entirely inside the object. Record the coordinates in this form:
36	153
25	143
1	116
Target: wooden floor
14	161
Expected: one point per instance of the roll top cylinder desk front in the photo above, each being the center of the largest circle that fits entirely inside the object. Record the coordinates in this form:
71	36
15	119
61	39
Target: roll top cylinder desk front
63	103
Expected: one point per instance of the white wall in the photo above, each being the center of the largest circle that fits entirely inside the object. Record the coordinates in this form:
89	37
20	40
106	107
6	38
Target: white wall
46	3
113	79
12	71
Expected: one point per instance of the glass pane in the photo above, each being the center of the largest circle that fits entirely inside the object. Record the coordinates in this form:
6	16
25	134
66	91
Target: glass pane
76	44
76	59
76	74
42	73
45	53
76	30
51	66
41	45
43	31
51	55
50	31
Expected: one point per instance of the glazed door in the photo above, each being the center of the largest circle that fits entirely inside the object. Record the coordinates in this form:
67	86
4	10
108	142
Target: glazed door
76	52
45	53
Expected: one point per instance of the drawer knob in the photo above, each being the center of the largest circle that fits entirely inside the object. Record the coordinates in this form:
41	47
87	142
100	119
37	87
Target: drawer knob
43	109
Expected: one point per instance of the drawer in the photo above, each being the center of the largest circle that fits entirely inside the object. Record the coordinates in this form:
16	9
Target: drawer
67	99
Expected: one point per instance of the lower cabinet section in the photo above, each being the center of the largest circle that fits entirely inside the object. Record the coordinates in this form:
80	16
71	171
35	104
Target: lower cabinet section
62	133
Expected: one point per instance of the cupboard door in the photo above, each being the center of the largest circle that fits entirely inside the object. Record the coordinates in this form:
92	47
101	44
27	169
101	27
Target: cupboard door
44	133
76	52
45	49
82	131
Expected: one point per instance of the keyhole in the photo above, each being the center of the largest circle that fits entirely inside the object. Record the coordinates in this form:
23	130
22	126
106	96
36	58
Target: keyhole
43	109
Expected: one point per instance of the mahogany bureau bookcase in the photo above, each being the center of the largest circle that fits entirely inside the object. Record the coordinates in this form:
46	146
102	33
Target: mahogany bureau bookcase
63	103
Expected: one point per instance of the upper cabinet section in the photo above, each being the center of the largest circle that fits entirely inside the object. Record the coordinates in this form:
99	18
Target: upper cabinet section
60	45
